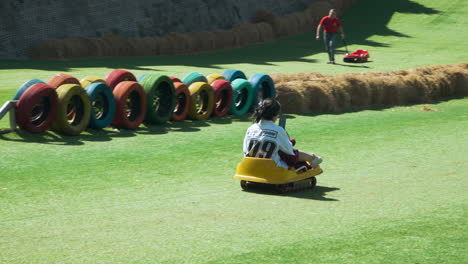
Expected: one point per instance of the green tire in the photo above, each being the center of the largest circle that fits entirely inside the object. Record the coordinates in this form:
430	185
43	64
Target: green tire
242	97
161	99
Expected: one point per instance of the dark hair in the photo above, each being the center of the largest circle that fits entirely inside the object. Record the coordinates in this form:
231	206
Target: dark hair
266	109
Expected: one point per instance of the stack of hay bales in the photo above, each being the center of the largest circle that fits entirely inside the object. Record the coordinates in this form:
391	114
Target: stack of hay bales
265	27
315	92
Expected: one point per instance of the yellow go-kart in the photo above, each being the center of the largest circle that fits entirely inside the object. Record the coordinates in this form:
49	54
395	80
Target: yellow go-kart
254	171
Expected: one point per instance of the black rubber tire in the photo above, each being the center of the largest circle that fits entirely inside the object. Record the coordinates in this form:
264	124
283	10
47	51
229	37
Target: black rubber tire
160	98
313	182
102	105
281	188
130	101
36	108
71	122
244	185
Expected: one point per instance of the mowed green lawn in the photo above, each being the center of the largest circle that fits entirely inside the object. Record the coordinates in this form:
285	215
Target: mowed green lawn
393	188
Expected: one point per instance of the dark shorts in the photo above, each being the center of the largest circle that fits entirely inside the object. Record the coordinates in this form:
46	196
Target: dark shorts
291	160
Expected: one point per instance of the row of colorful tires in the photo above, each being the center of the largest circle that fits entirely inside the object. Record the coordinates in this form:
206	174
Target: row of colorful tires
69	106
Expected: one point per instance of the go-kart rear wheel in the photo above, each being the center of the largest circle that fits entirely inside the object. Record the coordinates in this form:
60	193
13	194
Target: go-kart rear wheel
313	182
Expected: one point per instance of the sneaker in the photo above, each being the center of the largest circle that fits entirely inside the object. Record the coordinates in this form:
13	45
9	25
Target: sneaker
330	62
316	161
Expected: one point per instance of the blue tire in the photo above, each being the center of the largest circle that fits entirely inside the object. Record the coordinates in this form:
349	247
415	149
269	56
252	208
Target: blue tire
194	77
263	87
24	87
232	75
102	103
242	97
142	77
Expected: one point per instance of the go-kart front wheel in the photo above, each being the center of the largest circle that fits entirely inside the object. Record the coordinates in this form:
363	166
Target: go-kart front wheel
244	185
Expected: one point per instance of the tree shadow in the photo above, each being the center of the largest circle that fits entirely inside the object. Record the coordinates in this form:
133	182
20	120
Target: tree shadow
317	193
361	21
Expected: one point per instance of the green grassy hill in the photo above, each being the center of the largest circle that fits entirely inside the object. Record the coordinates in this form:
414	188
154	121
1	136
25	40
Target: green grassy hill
393	190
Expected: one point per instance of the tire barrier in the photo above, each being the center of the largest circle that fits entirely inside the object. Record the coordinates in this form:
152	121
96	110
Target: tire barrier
174	79
62	78
130	101
182	102
222	97
141	77
201	101
194	77
263	87
160	98
102	103
213	77
89	80
116	76
231	75
242	97
24	87
154	99
73	110
36	108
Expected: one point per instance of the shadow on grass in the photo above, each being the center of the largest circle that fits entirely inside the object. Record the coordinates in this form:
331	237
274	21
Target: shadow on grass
107	134
318	193
365	19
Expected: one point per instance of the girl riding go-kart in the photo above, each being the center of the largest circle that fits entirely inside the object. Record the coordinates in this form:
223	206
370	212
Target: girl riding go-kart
269	154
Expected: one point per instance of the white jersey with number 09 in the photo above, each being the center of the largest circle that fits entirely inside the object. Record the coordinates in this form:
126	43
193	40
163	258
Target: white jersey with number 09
264	139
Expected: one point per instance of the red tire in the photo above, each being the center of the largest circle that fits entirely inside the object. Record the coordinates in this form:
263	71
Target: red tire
116	76
174	79
62	78
130	105
222	97
36	108
182	102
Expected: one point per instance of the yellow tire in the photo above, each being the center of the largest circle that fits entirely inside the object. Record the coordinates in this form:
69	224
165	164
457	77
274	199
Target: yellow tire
89	80
73	110
213	77
201	101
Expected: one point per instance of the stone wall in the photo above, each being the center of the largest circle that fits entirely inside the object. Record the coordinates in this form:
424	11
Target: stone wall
24	23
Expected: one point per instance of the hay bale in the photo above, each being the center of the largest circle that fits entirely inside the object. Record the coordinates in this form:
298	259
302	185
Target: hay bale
250	33
204	40
180	42
266	32
291	99
264	15
48	50
319	9
224	39
339	5
285	26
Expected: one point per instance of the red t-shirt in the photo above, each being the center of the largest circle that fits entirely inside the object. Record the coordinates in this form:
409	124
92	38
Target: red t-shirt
330	25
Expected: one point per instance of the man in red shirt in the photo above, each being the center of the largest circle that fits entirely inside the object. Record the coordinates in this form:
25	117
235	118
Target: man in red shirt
331	24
